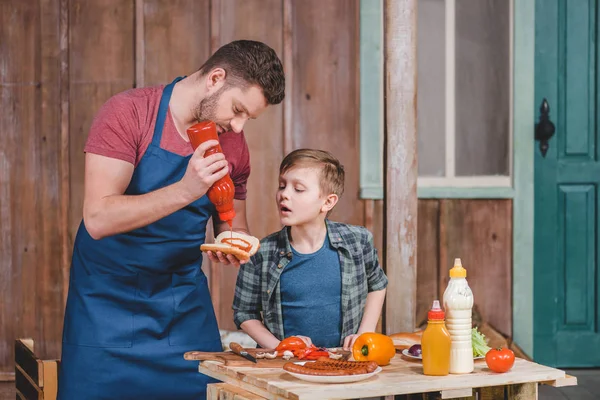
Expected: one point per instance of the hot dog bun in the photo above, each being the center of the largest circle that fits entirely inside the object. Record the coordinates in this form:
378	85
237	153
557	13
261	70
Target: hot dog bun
234	248
403	340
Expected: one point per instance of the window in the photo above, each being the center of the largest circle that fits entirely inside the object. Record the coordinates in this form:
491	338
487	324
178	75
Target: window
464	59
464	102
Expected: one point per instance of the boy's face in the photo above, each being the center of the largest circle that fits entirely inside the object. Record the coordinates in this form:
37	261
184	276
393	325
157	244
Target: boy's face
299	197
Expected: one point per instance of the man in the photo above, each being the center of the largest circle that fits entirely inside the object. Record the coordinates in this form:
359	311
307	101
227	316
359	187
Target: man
138	299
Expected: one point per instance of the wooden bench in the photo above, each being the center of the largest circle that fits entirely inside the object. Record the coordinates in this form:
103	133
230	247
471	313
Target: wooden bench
34	378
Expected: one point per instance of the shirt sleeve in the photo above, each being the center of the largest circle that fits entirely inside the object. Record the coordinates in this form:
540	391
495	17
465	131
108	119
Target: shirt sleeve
236	150
114	132
376	278
246	299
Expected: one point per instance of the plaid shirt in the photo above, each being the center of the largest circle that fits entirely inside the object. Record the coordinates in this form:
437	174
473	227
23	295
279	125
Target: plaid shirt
257	287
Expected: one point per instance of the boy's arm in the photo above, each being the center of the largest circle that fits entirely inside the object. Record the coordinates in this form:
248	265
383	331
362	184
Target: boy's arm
370	317
373	307
247	303
259	332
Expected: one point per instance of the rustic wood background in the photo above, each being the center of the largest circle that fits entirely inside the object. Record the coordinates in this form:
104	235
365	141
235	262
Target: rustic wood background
60	60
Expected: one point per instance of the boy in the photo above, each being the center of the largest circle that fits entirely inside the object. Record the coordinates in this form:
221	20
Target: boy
315	278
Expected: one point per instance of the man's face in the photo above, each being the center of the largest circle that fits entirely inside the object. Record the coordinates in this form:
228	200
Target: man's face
299	197
231	106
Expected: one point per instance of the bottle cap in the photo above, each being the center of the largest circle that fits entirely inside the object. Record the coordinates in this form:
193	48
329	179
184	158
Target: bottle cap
227	215
458	271
436	312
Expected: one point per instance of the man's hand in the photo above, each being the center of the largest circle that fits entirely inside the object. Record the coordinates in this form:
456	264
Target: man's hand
226	259
202	172
240	224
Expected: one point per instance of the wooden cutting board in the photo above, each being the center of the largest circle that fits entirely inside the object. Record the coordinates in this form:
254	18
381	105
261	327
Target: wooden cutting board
234	360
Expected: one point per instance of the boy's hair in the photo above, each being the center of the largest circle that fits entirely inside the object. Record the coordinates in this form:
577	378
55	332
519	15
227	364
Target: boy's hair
248	62
332	171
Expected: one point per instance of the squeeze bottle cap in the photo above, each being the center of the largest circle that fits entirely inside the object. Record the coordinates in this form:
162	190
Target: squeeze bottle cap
458	271
227	216
436	312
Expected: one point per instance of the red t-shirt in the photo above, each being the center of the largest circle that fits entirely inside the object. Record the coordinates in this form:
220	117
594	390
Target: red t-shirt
124	126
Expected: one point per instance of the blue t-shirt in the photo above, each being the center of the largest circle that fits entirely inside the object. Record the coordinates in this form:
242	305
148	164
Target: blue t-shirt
311	296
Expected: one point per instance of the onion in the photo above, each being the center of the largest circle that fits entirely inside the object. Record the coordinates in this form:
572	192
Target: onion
415	350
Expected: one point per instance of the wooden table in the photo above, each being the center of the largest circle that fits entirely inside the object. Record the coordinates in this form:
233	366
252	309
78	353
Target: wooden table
402	377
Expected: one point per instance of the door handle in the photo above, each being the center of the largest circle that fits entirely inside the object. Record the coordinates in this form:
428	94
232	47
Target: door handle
544	129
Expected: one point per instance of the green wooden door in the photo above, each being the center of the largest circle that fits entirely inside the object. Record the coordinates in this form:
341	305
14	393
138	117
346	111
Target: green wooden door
567	277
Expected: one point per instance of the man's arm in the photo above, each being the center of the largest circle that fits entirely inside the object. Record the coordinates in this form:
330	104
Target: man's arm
107	211
240	221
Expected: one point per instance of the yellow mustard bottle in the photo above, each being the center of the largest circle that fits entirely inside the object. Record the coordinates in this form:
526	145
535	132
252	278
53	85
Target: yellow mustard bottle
435	343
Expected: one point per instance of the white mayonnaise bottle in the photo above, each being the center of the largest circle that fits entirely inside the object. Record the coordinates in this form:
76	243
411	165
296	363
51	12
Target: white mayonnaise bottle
458	304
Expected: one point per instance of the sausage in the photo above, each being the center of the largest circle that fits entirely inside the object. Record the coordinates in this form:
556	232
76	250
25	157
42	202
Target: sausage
301	369
327	367
345	364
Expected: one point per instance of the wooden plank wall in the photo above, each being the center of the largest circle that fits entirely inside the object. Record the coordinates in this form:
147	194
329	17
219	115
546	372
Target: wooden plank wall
30	158
61	59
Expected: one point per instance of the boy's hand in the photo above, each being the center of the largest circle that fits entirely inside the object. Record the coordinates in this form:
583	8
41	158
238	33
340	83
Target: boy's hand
349	341
305	339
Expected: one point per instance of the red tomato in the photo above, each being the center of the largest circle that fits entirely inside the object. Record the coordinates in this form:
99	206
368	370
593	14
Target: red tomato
500	360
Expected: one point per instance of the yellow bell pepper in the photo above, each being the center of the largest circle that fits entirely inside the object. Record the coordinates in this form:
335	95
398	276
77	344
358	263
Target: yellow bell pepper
371	346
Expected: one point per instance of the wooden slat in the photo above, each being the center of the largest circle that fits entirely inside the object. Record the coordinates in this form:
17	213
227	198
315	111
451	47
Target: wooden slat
568	380
46	286
28	362
7	376
26	386
50	387
490	393
427	258
374	223
64	164
225	391
525	391
401	164
17	171
176	38
480	233
324	98
245	19
288	66
101	64
140	44
465	393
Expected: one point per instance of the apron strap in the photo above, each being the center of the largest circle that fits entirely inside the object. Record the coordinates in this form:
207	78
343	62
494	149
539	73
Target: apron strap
162	111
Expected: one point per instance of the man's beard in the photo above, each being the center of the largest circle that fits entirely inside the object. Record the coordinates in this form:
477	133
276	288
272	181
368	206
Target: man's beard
207	109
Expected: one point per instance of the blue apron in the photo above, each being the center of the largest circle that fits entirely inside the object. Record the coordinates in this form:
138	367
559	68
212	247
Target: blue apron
138	301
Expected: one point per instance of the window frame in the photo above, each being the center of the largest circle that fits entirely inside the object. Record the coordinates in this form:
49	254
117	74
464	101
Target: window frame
372	116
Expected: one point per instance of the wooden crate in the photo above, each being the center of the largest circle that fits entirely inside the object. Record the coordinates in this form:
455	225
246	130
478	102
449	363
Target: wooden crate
34	378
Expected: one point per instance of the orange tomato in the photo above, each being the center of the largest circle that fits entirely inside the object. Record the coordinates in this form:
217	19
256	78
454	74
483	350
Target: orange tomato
500	360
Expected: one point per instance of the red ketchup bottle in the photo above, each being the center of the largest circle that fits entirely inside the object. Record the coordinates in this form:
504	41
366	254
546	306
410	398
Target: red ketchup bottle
222	191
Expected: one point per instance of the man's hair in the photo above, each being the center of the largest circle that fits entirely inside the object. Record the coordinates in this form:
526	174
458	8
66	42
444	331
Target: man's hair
247	62
332	171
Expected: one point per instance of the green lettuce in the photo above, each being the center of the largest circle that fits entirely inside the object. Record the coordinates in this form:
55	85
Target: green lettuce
480	347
